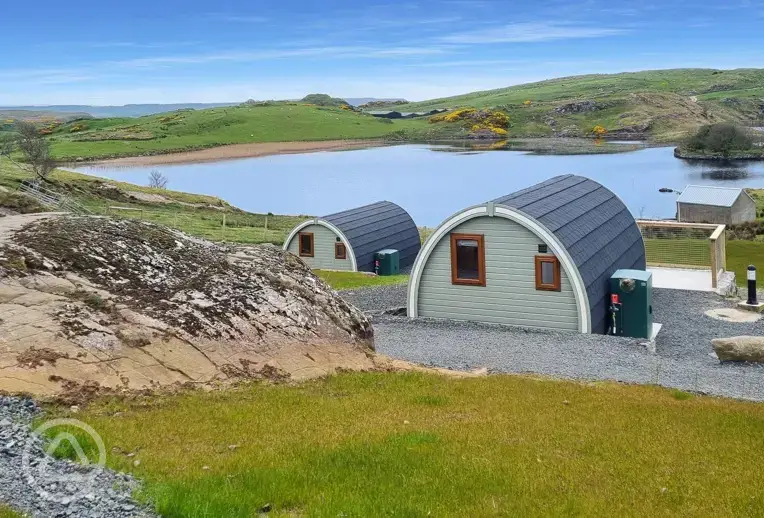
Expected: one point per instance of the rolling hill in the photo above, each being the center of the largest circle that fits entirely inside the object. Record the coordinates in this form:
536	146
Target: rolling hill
663	105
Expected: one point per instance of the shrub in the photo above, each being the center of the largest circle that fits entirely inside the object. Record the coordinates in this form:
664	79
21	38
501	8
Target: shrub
599	131
720	138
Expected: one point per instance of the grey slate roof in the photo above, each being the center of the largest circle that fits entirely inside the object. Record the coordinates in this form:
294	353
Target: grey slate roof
593	224
708	195
377	226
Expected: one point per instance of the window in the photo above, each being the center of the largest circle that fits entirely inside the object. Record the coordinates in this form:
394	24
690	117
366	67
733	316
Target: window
339	251
547	273
306	244
467	260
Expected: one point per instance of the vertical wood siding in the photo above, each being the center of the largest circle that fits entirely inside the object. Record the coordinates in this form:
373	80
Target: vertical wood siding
510	296
323	250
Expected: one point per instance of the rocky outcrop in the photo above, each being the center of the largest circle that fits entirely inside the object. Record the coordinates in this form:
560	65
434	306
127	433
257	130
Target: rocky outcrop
740	349
581	107
92	304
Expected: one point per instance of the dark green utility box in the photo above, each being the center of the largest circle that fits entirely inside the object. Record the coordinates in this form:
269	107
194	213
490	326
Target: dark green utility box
388	262
634	316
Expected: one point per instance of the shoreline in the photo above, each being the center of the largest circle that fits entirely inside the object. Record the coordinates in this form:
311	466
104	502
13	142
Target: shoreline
235	151
715	157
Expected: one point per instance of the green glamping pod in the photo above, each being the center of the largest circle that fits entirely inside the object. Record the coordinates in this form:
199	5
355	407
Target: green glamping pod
387	262
631	304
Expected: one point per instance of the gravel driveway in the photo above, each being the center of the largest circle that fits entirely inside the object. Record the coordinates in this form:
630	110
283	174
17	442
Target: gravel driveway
683	358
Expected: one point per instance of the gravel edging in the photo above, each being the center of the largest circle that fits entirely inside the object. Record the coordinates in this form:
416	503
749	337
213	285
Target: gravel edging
683	356
34	483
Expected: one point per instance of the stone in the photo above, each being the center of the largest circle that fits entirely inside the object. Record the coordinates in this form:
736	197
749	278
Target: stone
740	348
732	315
130	305
756	308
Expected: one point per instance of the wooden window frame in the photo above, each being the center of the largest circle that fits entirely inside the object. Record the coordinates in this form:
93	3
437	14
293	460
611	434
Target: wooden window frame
556	285
337	247
480	281
312	244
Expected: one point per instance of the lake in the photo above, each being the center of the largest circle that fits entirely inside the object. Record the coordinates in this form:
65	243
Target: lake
433	181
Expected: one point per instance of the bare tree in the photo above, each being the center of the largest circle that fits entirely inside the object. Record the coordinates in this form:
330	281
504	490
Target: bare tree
157	180
35	148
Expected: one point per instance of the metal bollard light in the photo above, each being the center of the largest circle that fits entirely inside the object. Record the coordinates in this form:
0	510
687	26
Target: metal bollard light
752	286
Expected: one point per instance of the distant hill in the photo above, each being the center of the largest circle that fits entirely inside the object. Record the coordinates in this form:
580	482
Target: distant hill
7	115
664	105
128	110
358	101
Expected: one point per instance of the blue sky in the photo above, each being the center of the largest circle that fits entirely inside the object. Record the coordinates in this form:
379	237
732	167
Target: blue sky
142	51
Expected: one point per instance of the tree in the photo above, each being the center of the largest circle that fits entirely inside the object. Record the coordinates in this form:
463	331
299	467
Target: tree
35	148
720	138
7	145
157	180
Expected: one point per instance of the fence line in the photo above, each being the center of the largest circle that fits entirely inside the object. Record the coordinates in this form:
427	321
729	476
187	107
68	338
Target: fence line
685	245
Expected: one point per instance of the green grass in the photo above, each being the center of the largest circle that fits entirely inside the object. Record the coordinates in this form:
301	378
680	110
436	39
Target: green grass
390	444
197	129
205	220
658	100
7	512
350	280
696	252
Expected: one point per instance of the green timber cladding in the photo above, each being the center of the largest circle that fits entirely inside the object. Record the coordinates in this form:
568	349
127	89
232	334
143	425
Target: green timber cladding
582	224
363	231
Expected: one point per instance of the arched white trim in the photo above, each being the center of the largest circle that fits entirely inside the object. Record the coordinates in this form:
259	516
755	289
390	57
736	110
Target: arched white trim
579	289
321	222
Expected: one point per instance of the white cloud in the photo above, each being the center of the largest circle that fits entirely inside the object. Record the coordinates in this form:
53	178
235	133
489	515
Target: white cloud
531	32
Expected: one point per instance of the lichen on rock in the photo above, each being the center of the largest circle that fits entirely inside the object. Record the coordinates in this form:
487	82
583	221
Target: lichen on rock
131	304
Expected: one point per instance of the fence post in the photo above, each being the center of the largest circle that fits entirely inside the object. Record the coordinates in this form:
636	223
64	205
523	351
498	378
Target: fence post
265	235
222	234
714	266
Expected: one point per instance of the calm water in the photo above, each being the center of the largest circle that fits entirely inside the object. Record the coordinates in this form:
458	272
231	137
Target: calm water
430	182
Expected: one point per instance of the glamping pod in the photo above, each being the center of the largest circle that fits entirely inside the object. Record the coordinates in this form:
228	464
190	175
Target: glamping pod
349	240
541	257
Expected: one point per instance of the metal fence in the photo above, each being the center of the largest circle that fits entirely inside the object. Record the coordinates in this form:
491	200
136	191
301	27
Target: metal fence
685	245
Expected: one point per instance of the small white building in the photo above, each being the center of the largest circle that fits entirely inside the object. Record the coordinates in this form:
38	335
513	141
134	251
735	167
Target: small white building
718	205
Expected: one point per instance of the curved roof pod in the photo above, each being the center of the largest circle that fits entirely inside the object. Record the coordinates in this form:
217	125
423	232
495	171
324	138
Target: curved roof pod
584	224
368	229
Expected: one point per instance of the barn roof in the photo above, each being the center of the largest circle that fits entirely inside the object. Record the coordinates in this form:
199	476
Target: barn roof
377	226
593	224
710	195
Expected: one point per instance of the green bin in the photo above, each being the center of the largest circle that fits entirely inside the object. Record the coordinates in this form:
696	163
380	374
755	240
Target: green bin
387	262
634	316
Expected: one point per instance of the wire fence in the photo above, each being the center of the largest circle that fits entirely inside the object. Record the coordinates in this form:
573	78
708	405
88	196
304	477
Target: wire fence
685	245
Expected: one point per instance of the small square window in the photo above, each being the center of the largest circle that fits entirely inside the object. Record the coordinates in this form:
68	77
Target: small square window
547	273
543	249
467	259
340	252
305	243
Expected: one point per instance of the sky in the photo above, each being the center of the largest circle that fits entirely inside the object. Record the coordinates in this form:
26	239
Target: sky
171	51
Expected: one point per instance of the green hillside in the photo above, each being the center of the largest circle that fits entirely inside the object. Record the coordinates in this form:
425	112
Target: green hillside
186	130
664	105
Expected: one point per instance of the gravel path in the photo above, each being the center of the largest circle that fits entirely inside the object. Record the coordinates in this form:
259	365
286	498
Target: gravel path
683	357
35	483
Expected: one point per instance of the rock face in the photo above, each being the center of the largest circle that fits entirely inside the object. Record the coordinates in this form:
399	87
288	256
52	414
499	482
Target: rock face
740	348
92	304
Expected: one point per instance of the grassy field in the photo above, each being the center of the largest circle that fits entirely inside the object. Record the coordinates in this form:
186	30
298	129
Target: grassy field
421	445
350	280
196	214
664	104
196	129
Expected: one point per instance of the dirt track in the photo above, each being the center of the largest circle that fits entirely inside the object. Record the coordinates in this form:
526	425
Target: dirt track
243	151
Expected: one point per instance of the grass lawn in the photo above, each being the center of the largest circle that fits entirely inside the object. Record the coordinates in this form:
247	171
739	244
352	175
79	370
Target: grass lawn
397	444
6	512
349	280
695	252
742	253
196	129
